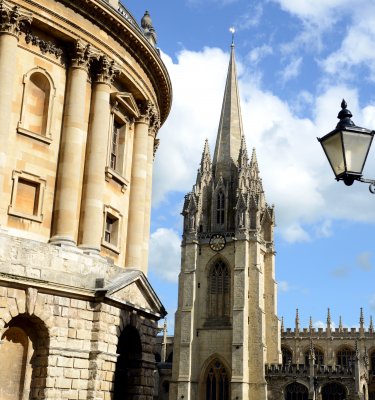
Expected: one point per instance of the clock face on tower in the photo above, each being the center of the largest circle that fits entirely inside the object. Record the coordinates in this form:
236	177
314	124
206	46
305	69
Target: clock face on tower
217	242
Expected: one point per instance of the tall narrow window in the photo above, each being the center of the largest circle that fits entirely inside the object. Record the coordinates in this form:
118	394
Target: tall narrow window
286	356
111	229
217	382
114	158
219	293
220	208
345	357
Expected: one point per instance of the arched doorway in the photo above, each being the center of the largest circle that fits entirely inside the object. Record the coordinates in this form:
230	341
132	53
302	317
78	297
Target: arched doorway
129	365
333	391
296	391
24	352
216	381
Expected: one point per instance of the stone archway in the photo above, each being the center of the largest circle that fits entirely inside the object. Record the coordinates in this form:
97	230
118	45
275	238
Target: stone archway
217	381
24	351
128	375
333	391
296	391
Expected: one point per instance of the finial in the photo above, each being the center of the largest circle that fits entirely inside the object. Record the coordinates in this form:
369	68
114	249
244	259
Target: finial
312	350
328	317
297	320
340	324
282	324
310	325
361	319
371	327
232	30
344	116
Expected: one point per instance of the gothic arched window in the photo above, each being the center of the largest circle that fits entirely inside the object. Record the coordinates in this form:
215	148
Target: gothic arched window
345	357
319	357
286	356
220	208
296	391
218	292
333	391
217	382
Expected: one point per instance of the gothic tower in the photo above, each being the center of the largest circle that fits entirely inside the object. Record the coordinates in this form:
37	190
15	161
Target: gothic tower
226	327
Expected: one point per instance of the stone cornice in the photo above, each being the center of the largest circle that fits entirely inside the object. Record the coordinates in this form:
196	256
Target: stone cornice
12	18
132	39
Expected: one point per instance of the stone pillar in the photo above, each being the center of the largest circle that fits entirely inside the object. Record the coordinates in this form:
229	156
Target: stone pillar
11	21
96	158
138	188
152	142
72	151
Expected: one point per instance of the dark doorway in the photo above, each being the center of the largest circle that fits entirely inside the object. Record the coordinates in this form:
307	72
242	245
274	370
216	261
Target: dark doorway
333	391
296	391
128	376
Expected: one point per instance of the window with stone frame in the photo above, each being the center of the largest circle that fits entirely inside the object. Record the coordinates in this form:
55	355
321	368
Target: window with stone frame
111	229
117	147
286	356
345	357
27	196
372	362
37	105
220	208
217	382
296	391
319	357
219	293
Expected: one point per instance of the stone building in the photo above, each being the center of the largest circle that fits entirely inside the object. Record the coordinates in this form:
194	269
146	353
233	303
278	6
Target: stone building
83	95
228	343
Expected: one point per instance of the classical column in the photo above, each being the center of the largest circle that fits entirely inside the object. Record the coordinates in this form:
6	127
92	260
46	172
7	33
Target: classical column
138	187
151	148
72	151
11	21
96	156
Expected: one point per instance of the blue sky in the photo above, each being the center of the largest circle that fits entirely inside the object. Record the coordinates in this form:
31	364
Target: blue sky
296	60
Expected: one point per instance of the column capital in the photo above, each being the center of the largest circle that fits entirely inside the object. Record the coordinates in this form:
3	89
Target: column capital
106	70
82	55
13	19
149	115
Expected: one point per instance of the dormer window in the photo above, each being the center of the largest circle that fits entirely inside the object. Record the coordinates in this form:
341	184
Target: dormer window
220	204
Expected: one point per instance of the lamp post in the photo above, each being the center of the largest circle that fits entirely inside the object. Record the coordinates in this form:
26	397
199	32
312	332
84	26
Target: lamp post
347	147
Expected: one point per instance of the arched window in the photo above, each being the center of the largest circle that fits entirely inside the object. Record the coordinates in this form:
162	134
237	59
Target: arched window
333	391
24	351
36	111
217	382
319	357
219	293
220	208
345	357
128	373
286	356
296	391
372	362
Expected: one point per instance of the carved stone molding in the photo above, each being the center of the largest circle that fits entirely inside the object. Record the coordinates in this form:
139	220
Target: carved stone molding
12	19
44	45
149	114
156	146
106	71
82	55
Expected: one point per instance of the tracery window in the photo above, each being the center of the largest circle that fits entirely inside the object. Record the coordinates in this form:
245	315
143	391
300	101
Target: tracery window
296	391
220	208
345	357
217	382
219	292
319	357
286	356
372	362
333	391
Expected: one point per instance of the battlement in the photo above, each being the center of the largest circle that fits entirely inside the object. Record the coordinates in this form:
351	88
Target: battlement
303	370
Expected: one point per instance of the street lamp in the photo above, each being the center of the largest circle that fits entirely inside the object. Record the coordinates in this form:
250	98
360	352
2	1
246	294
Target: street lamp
347	147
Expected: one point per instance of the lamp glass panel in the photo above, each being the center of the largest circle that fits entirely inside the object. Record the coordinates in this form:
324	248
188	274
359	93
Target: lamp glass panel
333	149
356	146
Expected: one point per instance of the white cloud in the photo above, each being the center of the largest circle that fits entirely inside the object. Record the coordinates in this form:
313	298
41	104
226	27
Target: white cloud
324	229
283	286
260	52
295	233
292	70
165	254
364	261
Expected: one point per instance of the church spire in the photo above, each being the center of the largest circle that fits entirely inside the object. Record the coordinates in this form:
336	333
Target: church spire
230	131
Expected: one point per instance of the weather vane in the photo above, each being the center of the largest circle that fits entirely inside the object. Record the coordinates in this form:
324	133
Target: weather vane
232	30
